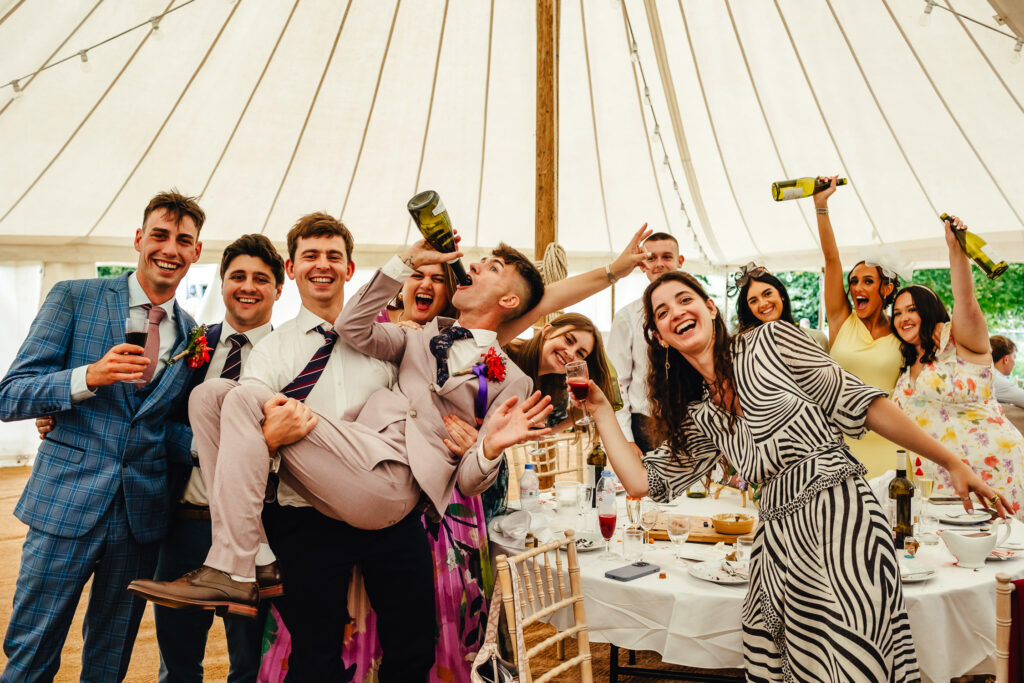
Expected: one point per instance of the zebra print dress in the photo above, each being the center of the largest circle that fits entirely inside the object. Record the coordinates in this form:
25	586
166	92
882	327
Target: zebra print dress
825	601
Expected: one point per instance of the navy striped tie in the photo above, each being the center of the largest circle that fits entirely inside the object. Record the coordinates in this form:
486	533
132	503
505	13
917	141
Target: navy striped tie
233	365
300	387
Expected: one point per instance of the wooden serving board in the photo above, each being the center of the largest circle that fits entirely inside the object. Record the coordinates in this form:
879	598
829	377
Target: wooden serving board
699	533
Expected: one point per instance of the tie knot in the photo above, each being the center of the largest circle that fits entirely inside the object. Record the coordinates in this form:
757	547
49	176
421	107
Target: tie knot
155	314
329	335
238	340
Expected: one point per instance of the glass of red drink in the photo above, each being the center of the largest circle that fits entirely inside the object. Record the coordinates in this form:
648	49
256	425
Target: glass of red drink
578	378
607	524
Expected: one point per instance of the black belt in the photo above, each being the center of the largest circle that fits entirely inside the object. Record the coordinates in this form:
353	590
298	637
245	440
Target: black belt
189	511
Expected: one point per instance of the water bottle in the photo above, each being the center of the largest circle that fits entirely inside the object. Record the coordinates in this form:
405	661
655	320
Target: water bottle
529	488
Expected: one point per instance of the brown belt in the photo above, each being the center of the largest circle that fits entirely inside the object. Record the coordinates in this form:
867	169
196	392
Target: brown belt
192	512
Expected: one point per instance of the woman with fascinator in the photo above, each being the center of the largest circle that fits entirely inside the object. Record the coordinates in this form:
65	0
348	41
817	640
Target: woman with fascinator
824	601
761	298
946	380
858	327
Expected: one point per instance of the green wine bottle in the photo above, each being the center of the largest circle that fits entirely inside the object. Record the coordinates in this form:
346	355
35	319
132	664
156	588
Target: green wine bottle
901	497
800	187
613	380
431	218
973	246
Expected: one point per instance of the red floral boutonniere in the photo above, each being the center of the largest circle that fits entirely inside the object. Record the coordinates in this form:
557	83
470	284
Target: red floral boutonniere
197	351
494	365
490	369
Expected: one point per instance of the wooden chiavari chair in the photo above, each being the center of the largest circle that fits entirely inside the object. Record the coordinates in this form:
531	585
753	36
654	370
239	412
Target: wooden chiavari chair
1004	600
535	585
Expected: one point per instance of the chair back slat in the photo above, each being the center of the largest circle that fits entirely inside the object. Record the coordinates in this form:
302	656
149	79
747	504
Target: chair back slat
535	602
562	458
1004	621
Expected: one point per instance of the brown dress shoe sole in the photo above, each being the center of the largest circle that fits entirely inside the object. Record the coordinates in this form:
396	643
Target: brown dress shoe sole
221	606
270	592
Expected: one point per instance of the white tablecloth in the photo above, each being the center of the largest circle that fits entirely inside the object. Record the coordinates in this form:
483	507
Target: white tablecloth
696	623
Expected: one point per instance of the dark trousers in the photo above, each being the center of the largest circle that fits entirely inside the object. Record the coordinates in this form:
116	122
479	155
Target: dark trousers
54	570
181	633
316	555
641	425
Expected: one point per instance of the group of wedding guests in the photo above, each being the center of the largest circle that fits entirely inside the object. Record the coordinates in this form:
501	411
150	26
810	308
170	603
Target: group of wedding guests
343	467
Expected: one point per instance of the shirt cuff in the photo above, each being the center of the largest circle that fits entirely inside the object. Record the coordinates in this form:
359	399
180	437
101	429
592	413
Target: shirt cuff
79	388
485	464
396	269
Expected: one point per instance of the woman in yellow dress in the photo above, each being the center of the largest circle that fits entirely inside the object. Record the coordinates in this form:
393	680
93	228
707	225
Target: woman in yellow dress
946	381
860	337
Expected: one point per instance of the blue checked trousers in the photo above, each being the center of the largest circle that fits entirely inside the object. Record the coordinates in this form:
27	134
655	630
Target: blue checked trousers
54	570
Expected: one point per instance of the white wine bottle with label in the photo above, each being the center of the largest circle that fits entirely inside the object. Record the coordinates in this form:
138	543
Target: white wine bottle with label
431	218
800	187
974	247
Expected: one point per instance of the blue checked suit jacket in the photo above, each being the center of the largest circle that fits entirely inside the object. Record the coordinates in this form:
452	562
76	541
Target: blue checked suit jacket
110	442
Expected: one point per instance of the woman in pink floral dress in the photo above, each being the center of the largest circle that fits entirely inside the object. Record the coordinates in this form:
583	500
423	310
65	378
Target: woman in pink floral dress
945	384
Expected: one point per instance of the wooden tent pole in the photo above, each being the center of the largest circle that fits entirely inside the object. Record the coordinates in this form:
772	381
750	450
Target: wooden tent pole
547	124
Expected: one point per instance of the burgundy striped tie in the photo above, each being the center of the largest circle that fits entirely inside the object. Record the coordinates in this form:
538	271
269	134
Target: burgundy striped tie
233	364
300	387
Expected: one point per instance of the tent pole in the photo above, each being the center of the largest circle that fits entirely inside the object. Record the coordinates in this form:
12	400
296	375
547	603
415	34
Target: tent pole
547	124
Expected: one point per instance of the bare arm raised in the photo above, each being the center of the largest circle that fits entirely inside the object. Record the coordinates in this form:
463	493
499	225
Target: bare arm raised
837	305
970	330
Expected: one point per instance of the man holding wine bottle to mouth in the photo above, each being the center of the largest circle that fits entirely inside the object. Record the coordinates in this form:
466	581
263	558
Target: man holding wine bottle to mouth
97	501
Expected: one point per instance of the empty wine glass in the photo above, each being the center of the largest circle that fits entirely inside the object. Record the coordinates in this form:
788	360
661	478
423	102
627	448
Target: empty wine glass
633	510
678	528
578	378
744	546
649	511
584	501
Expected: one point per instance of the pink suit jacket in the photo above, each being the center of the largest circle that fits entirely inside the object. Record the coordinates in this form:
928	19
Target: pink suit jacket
416	400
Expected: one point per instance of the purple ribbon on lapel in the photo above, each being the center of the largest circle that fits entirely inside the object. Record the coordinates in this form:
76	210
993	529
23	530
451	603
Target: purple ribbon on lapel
480	404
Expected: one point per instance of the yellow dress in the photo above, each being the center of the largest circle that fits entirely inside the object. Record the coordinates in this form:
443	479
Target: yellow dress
875	362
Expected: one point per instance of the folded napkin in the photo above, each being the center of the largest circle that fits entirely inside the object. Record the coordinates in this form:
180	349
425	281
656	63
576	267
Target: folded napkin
510	530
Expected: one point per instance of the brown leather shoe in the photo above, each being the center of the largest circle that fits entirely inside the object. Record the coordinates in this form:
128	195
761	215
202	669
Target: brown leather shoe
204	587
268	577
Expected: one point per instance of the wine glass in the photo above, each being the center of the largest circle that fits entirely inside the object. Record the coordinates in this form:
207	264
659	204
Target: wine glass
678	528
584	499
578	378
633	510
649	511
744	547
136	330
606	521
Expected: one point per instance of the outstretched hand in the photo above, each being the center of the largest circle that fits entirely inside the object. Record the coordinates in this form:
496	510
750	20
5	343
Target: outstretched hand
965	482
821	199
513	424
633	255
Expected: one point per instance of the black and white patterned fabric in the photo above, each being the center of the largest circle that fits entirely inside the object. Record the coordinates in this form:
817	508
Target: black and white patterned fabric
825	601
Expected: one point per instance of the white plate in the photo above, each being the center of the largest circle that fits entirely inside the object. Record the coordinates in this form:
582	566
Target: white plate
699	551
583	537
714	572
916	575
963	518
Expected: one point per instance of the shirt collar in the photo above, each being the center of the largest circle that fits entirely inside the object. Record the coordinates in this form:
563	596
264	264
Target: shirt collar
308	321
481	337
253	335
137	297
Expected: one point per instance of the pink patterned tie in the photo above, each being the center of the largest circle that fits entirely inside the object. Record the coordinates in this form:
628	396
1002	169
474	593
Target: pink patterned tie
154	314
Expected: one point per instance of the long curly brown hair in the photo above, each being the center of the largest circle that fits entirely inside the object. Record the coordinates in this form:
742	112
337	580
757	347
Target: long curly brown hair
672	383
933	313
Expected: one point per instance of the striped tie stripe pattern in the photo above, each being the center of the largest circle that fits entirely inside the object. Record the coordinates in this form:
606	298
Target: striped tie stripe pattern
233	364
300	387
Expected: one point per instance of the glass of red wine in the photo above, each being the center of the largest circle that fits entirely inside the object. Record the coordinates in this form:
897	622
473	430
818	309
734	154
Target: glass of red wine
607	524
578	378
135	332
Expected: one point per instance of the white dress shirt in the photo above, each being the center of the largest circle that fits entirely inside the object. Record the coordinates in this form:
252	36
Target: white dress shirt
347	381
627	350
195	490
137	298
1006	390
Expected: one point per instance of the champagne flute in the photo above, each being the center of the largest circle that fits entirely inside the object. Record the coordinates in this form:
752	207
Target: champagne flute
584	498
678	527
649	511
633	510
136	330
578	378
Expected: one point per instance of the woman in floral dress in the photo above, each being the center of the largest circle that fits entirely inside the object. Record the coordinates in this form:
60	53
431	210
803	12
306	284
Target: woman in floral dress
946	381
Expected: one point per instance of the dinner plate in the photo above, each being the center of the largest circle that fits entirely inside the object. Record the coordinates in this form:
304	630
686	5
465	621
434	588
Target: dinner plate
916	575
701	552
715	572
587	541
963	518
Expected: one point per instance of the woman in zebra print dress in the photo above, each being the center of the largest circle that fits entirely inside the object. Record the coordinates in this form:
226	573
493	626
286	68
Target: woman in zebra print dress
825	601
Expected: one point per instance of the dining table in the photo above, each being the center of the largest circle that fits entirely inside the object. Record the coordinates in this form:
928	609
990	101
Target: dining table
694	622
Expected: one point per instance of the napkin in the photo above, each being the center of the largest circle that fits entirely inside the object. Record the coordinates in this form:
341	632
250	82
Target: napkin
510	530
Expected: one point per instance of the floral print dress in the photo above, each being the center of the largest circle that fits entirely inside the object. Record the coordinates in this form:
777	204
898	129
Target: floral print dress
954	401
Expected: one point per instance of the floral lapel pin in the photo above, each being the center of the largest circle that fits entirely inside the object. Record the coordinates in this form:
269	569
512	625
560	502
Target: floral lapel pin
491	368
197	351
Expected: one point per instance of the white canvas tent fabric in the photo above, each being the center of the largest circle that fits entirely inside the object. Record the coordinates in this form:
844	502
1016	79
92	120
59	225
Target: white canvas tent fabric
272	109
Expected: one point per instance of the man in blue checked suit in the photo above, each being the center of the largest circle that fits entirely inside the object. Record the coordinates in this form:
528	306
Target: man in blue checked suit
98	501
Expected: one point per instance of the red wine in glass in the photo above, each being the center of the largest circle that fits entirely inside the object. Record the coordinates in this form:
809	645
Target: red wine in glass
136	331
607	524
580	389
137	338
